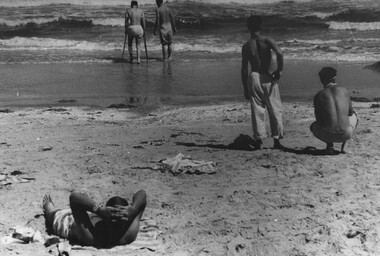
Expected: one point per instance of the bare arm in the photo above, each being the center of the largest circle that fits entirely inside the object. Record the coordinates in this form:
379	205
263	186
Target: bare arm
350	109
156	24
143	20
172	21
280	57
127	21
316	109
81	202
244	71
132	214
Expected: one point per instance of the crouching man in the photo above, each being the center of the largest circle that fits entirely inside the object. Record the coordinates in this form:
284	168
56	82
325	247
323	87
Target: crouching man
335	117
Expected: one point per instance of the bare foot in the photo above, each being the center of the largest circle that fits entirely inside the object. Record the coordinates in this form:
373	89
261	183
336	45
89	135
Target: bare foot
47	204
342	148
257	144
330	151
49	212
277	145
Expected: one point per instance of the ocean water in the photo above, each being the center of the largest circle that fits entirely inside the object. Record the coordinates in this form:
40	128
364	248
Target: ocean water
45	43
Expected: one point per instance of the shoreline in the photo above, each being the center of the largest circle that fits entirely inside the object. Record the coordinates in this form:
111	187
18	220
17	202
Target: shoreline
146	109
179	82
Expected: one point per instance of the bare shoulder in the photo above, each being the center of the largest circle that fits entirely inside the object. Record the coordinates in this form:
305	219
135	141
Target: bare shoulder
337	91
318	95
322	94
247	46
342	89
268	40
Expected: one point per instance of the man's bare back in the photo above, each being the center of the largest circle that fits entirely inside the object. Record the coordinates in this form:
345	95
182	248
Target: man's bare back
165	18
259	47
335	117
332	108
135	16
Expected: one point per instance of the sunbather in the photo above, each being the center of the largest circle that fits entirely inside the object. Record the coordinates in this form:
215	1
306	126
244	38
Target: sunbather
117	223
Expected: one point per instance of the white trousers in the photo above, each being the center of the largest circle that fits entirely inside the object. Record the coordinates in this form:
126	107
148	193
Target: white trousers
265	96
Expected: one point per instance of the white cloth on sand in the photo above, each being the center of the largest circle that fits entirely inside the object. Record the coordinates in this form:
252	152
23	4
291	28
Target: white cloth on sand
185	164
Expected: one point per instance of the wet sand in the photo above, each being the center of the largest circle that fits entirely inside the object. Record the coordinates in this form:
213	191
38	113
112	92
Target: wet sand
157	83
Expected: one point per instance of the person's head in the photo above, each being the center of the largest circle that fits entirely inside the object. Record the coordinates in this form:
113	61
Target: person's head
117	200
134	3
254	23
159	2
327	75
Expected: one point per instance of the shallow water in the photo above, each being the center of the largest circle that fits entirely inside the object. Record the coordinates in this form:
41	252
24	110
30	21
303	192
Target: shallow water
176	82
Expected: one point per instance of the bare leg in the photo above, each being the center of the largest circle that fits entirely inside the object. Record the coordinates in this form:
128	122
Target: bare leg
138	50
84	230
330	148
277	144
164	52
49	212
130	50
170	51
130	54
342	148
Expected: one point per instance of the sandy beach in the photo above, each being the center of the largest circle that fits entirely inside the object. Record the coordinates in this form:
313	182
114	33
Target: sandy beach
64	63
295	201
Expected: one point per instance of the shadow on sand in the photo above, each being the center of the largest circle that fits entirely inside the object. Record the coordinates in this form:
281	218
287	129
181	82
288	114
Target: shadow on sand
246	143
242	142
310	151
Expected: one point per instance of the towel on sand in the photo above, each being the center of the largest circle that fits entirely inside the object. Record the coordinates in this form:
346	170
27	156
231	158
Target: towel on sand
22	235
11	178
146	239
185	164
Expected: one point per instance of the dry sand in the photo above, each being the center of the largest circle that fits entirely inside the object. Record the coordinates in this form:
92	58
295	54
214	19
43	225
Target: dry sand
267	202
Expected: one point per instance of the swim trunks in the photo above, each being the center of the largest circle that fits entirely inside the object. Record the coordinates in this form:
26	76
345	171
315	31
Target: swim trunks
63	220
330	137
135	31
166	35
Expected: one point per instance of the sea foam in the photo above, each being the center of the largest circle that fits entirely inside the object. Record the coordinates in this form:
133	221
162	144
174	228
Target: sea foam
363	26
19	3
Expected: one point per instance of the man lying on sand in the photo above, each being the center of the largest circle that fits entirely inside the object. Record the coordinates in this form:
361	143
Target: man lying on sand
336	119
115	224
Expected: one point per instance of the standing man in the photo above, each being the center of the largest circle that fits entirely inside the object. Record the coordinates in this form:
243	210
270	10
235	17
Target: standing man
134	28
165	23
335	117
261	84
